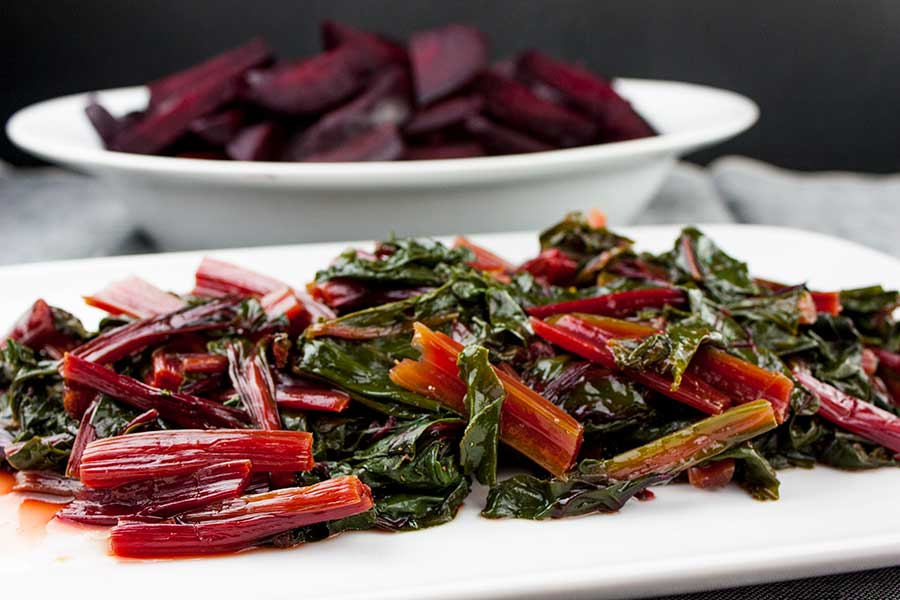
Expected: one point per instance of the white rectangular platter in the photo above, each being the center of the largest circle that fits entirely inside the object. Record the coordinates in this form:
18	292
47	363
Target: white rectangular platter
827	521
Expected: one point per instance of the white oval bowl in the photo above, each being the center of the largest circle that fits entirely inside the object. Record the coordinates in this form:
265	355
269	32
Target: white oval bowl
188	203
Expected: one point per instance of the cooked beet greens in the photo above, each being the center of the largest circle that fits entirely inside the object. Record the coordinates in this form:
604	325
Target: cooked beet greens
256	412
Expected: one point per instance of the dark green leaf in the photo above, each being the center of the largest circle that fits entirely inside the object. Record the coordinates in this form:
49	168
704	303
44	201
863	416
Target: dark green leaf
407	262
360	368
847	451
753	472
528	497
321	531
418	511
47	453
574	236
607	403
484	402
697	258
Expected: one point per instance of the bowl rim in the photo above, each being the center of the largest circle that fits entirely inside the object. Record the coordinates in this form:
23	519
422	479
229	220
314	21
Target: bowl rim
21	132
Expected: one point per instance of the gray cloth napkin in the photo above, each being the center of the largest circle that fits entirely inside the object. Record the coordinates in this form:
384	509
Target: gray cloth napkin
48	214
862	208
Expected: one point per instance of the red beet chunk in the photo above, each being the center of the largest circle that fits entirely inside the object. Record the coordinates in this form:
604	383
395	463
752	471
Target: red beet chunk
443	114
445	59
503	140
444	151
171	116
106	125
386	100
316	84
161	497
251	54
379	143
115	461
219	128
334	34
170	120
203	155
516	105
257	142
594	95
243	522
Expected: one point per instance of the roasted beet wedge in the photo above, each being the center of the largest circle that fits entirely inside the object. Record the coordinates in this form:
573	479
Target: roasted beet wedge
159	497
334	34
617	120
379	143
316	84
444	151
443	60
243	522
251	54
219	128
443	114
115	461
136	298
386	100
515	104
171	116
106	125
256	142
503	140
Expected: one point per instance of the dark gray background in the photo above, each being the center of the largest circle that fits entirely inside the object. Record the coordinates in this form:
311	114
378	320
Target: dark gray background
825	73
